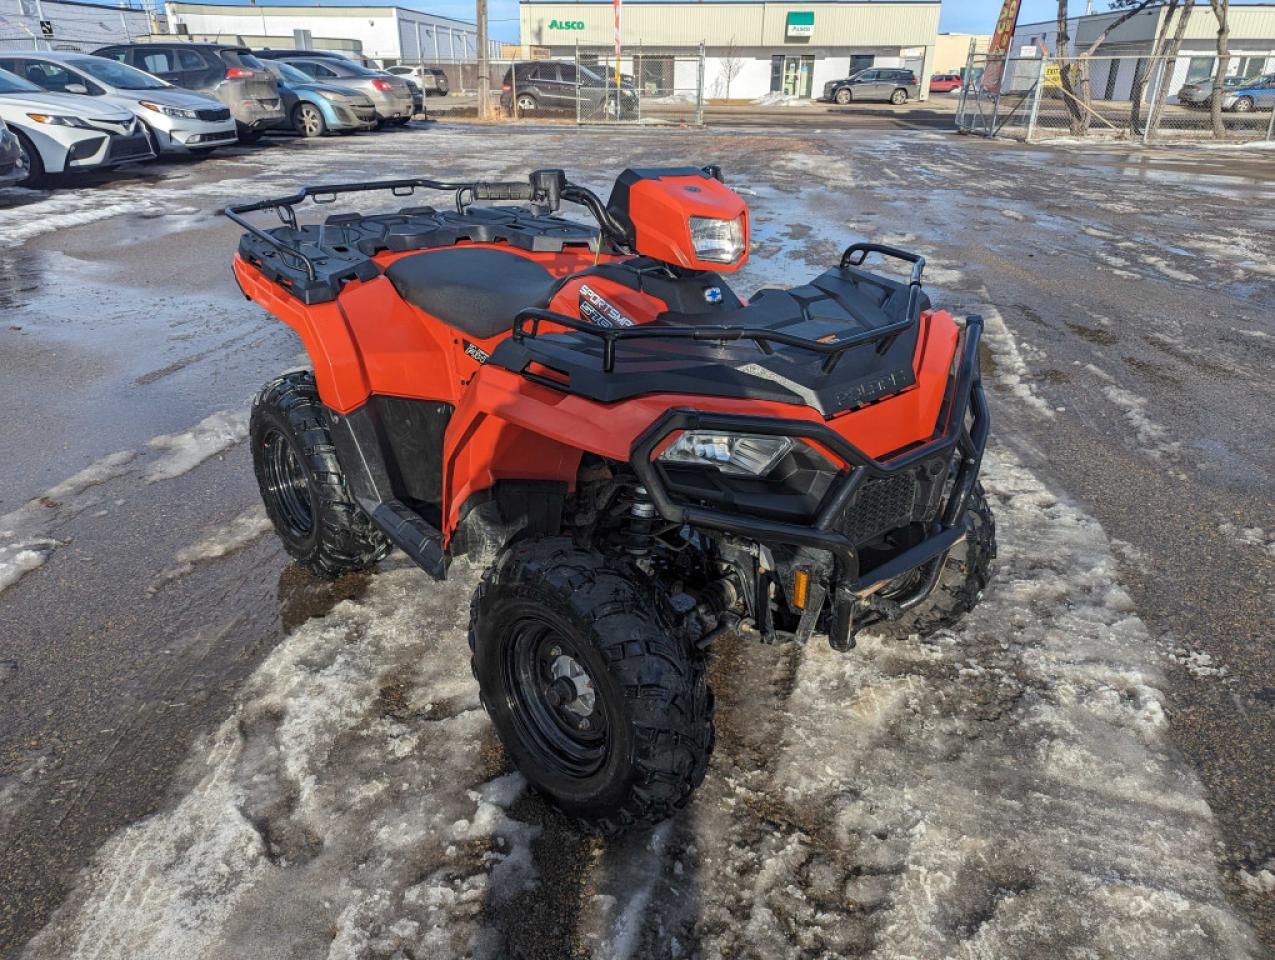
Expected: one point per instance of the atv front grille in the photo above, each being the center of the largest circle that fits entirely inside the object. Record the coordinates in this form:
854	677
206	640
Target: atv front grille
881	505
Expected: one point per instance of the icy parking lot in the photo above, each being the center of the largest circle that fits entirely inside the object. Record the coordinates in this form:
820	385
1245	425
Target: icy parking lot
206	754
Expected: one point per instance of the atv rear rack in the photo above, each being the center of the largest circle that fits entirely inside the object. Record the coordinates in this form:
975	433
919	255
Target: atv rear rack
853	256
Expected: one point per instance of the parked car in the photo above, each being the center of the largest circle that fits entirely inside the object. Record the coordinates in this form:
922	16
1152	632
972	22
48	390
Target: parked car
945	82
271	53
1251	95
176	120
893	85
418	96
61	132
389	94
1200	93
314	108
432	80
13	162
542	86
231	74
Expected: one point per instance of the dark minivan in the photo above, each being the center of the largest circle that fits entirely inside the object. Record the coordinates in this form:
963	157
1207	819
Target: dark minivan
891	84
231	74
542	86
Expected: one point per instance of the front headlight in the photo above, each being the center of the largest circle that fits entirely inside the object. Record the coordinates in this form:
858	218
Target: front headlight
178	112
744	455
719	241
333	97
59	121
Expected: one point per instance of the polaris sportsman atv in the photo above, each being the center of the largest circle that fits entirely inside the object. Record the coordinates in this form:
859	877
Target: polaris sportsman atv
644	462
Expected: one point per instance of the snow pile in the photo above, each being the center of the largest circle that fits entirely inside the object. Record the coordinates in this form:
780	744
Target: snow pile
1153	437
1012	374
220	542
347	808
1263	540
182	452
26	539
672	99
776	99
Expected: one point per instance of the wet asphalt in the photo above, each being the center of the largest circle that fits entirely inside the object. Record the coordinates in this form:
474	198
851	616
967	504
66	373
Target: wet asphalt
1138	290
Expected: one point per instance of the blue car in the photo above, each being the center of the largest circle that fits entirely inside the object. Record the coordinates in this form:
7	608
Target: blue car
1253	95
313	109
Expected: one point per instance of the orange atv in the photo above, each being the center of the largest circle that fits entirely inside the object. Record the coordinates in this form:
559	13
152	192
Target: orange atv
643	462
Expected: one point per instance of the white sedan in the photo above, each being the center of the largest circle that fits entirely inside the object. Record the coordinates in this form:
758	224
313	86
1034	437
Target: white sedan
179	121
61	132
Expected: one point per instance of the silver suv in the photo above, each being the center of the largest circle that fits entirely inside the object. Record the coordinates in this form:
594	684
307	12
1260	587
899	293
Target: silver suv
891	84
231	74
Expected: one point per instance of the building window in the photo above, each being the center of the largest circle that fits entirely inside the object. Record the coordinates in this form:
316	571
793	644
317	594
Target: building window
1200	68
1251	67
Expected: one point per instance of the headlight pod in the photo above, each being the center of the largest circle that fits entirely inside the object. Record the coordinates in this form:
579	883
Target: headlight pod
742	455
332	97
717	241
179	112
54	120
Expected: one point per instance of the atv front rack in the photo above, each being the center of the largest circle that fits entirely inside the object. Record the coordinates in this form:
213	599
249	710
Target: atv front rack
765	339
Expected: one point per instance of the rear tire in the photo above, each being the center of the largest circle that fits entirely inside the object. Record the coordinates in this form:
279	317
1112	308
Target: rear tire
525	103
247	134
967	569
630	739
843	96
302	483
401	121
899	97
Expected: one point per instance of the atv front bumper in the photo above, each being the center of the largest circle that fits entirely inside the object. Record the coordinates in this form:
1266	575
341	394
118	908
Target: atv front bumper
958	444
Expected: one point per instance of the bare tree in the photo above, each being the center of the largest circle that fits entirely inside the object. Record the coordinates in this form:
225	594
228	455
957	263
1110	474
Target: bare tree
732	65
1221	10
1080	103
1167	65
1143	74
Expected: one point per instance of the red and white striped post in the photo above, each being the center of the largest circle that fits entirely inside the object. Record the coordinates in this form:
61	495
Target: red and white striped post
616	5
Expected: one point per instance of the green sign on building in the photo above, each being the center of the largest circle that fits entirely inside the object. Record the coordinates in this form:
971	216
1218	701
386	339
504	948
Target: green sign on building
566	24
801	24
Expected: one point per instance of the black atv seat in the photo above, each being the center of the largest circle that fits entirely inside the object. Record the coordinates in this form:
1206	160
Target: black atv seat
477	291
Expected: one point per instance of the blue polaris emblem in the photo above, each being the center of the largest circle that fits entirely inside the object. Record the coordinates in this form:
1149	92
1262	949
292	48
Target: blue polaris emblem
713	294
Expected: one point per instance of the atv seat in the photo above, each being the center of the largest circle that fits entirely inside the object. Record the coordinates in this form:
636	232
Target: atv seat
477	291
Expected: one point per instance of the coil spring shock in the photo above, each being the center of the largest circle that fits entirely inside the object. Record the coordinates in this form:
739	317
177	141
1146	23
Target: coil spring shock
641	525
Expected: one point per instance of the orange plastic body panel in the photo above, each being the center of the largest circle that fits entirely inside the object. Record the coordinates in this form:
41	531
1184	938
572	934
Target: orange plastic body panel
506	427
661	211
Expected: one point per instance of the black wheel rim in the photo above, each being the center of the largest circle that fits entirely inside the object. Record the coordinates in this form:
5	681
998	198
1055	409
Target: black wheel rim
553	700
286	484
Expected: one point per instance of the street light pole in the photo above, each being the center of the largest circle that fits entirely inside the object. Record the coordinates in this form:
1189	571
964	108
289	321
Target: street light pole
484	76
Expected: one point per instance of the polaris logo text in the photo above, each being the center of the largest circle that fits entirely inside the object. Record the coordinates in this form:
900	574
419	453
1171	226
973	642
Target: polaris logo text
566	24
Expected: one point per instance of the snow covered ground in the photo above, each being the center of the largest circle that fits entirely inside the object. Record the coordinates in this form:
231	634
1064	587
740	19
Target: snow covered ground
1005	790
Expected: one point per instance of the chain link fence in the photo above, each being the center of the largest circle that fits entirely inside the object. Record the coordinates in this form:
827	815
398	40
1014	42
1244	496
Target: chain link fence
1147	99
663	89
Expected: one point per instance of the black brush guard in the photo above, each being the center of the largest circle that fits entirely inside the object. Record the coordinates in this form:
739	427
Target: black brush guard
965	401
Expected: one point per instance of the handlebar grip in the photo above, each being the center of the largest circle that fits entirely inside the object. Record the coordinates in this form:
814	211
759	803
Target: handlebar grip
506	190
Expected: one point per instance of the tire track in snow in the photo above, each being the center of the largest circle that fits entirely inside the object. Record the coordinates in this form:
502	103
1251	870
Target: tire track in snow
1007	784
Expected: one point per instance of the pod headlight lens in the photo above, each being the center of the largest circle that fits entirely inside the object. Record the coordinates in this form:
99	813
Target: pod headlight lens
717	241
742	455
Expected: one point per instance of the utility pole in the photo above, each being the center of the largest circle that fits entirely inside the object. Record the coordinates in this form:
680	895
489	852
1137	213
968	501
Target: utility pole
484	73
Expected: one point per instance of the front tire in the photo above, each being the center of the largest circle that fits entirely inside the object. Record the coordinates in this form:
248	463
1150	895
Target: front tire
302	484
967	569
843	96
36	175
591	684
308	120
1243	105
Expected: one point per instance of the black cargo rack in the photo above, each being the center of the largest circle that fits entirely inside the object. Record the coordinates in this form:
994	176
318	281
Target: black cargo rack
763	338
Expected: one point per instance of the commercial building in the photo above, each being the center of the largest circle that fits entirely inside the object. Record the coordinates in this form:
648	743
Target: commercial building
952	51
386	35
1124	55
66	25
751	47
